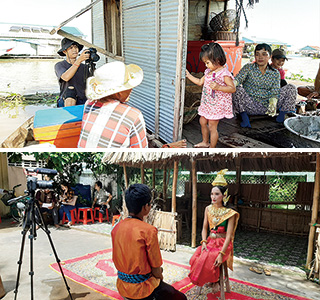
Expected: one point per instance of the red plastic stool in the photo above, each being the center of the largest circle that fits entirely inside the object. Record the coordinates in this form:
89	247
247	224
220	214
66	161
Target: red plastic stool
115	217
85	218
100	217
74	218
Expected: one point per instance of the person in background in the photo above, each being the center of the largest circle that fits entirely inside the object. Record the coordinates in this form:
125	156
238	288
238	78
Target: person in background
71	74
216	99
48	204
278	58
68	203
101	198
311	91
136	252
258	89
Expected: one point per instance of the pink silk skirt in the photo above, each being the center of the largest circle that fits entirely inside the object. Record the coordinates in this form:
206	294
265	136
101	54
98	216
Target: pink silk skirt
202	264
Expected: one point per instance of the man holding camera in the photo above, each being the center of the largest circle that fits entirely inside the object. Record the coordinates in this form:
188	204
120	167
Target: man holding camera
71	74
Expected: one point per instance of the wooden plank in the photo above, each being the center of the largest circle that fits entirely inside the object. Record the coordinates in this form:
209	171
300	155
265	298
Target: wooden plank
194	203
237	140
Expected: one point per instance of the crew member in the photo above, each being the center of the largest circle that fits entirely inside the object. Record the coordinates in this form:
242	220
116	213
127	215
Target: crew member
71	74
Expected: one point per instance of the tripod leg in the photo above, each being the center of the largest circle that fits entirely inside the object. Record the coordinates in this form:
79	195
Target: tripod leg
24	232
44	227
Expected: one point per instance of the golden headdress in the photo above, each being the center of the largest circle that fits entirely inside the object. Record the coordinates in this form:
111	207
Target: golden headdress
220	180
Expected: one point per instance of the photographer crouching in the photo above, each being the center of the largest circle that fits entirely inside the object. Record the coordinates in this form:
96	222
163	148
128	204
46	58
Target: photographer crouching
72	74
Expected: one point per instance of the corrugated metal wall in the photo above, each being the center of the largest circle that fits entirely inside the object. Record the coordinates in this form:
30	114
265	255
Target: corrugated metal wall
139	47
98	30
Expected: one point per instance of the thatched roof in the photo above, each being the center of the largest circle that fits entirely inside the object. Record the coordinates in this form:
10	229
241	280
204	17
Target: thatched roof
213	161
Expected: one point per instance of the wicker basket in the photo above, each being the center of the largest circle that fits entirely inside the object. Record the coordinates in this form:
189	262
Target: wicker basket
190	112
225	36
223	21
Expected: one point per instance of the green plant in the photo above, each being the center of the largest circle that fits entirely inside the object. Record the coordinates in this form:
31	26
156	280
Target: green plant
299	77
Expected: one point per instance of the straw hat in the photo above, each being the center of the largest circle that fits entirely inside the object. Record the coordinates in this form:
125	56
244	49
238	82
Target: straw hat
113	78
220	180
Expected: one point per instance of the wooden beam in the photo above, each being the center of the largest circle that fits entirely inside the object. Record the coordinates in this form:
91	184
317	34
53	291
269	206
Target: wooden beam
4	176
89	45
125	175
314	214
174	186
142	173
164	191
153	180
82	11
194	203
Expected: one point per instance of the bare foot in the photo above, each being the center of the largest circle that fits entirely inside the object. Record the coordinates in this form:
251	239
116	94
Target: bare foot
178	144
202	145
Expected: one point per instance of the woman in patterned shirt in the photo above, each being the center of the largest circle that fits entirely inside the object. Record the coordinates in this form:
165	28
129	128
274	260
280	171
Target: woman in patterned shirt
258	89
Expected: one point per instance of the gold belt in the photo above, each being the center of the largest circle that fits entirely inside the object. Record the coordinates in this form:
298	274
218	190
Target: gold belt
217	235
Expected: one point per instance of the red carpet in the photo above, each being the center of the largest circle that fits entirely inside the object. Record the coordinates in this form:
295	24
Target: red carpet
96	271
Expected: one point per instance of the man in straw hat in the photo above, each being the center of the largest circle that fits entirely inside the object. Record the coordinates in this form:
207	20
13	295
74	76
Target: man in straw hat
71	74
108	122
136	252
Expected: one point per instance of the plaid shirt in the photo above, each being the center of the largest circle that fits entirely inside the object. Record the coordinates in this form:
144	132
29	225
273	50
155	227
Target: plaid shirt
112	124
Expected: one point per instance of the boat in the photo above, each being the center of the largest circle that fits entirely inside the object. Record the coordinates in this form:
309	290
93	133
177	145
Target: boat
307	127
21	137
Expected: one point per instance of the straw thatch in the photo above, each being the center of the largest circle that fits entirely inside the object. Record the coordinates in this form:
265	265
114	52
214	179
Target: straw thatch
213	161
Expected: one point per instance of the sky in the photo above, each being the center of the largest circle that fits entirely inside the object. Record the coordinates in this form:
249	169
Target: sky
46	12
296	22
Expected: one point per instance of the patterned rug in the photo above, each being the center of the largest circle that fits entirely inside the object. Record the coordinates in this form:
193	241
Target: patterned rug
97	272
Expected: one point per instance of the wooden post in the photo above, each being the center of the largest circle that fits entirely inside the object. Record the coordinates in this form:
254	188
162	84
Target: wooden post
142	173
4	180
174	186
164	191
153	180
194	202
125	175
314	215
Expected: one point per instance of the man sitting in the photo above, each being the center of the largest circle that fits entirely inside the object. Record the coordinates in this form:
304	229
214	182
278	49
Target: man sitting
139	271
101	198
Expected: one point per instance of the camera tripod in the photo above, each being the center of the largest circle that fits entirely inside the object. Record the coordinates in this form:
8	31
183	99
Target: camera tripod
31	219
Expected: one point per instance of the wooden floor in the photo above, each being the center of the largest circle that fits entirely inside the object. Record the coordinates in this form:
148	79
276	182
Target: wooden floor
265	133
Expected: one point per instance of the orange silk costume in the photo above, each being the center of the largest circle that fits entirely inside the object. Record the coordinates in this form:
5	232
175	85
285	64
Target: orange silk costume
202	262
135	251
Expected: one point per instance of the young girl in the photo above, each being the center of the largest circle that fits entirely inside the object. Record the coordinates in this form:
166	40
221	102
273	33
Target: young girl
216	100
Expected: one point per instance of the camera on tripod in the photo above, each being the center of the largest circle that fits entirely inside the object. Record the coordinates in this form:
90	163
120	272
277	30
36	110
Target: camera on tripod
94	57
34	183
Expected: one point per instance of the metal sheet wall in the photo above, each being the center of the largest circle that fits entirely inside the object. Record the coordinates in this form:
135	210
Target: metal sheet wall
139	47
98	30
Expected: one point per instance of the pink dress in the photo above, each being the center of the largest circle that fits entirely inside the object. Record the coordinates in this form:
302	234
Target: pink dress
219	105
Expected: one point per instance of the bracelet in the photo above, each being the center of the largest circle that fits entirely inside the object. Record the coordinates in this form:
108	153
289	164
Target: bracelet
222	253
76	65
203	241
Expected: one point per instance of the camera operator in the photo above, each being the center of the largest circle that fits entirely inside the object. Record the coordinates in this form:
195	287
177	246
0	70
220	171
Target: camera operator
48	203
71	74
101	198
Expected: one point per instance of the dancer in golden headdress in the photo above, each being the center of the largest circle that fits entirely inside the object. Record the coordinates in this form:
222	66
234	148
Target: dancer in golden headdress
218	246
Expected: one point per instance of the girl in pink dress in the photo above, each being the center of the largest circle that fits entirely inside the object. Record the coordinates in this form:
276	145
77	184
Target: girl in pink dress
216	100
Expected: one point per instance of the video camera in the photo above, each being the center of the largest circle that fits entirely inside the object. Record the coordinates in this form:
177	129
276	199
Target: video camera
94	57
34	183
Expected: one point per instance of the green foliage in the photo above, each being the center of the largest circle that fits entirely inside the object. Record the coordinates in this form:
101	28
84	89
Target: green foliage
69	165
11	103
299	77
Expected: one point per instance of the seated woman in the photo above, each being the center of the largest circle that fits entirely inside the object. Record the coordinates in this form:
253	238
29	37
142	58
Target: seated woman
310	91
258	89
218	246
67	198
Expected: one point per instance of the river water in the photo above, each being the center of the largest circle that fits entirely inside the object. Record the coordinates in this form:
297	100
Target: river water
28	76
